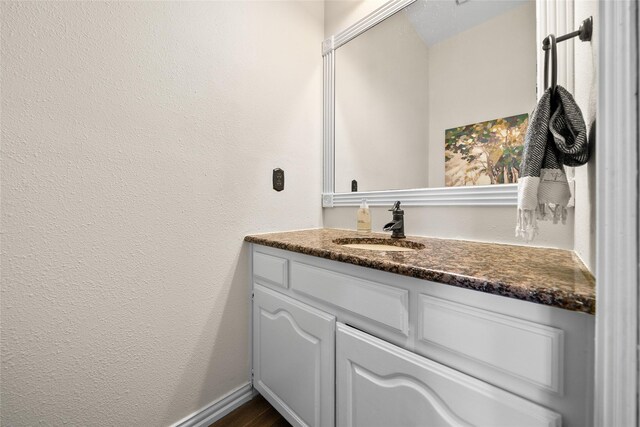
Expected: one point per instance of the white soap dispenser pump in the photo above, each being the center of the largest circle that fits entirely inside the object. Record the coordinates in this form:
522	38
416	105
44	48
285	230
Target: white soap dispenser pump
364	218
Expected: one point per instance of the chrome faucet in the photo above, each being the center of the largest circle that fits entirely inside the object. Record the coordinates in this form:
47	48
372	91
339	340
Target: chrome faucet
396	226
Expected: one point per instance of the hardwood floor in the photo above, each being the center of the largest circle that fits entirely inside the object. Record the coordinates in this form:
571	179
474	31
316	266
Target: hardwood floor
255	413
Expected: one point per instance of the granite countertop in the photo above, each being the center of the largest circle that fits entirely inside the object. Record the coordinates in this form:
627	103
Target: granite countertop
552	277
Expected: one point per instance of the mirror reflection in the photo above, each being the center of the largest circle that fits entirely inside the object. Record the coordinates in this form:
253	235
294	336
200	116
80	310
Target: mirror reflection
436	95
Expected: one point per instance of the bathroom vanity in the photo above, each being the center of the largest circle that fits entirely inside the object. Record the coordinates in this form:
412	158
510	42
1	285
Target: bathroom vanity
456	333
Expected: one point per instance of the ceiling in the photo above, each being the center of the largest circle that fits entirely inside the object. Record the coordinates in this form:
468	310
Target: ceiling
437	20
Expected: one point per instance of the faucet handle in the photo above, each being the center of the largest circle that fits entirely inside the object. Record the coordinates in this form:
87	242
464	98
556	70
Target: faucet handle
396	207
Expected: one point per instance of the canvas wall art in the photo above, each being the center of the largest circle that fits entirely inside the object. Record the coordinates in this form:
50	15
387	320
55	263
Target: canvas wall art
485	153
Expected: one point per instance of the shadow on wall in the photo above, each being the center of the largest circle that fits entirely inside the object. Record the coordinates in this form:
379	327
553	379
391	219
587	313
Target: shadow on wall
222	342
591	171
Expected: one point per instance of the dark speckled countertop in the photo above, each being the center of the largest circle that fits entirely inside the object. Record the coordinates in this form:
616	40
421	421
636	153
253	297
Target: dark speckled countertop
552	277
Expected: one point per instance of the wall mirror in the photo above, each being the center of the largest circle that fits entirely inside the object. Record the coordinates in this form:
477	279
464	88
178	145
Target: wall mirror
426	101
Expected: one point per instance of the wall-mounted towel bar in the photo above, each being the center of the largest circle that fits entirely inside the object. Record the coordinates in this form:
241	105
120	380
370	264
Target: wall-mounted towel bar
585	32
549	44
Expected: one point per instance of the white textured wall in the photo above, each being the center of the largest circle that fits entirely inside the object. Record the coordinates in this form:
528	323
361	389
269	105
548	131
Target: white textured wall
138	140
381	109
340	14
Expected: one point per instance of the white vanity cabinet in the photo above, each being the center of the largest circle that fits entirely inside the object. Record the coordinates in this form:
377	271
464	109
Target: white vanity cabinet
294	357
338	344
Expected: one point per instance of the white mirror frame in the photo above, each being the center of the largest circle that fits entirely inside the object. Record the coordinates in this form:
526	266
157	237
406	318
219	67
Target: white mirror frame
553	16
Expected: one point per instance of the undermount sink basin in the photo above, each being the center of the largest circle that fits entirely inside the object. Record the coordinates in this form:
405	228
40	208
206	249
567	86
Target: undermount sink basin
377	244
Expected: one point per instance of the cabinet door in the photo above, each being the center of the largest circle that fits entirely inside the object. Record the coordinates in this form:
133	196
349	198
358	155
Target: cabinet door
294	358
379	384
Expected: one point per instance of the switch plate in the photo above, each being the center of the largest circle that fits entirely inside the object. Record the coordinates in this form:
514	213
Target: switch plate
278	179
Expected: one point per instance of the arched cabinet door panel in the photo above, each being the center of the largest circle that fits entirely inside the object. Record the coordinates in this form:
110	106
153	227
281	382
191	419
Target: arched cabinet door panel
293	358
379	384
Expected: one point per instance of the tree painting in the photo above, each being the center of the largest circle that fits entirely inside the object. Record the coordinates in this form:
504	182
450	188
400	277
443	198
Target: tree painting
485	153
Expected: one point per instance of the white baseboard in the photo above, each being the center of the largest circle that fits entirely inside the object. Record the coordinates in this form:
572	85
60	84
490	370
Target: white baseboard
218	409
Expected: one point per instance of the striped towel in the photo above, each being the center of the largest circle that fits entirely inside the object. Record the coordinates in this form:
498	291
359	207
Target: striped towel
556	136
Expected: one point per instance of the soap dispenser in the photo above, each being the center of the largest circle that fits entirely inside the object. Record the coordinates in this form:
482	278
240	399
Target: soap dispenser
364	218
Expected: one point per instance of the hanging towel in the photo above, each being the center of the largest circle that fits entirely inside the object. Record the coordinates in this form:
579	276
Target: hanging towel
556	136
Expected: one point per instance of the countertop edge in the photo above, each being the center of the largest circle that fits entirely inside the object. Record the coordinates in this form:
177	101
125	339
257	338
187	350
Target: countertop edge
548	296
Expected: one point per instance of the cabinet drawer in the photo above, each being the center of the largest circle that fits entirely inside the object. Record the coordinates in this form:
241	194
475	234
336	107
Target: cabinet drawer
379	384
503	346
384	304
271	269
